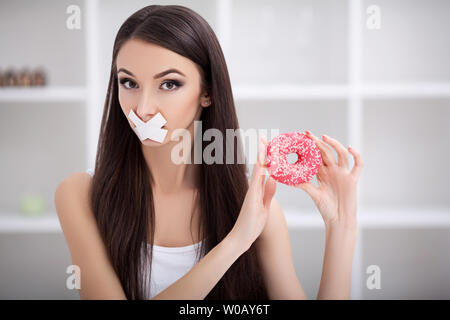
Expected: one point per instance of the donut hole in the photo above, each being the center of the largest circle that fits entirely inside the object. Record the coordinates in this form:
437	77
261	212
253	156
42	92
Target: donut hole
292	158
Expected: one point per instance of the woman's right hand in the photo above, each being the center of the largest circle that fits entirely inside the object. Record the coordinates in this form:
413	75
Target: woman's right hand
255	208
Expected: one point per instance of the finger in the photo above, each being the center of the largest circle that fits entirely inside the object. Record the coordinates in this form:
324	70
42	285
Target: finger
309	188
263	153
264	140
325	150
262	159
257	176
269	191
320	178
358	163
258	172
340	150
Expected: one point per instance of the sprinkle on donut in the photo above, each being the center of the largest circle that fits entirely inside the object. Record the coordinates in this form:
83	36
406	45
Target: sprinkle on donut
307	164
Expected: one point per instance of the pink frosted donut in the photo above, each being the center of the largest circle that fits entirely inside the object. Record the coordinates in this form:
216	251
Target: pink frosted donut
307	164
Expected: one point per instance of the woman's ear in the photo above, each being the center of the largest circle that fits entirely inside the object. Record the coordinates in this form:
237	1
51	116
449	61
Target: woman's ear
205	100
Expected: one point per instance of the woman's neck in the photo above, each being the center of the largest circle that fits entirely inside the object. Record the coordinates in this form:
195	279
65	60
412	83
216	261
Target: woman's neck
168	176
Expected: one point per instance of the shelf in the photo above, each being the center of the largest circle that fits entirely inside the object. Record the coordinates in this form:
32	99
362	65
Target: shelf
15	223
405	90
379	218
40	94
289	92
367	218
405	218
341	91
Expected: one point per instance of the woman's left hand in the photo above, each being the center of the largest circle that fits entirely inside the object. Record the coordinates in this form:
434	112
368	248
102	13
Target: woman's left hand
335	196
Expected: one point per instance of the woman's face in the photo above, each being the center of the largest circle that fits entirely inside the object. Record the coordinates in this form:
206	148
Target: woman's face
146	88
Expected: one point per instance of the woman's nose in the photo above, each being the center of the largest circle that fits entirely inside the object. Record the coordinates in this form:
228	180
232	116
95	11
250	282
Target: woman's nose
144	115
147	108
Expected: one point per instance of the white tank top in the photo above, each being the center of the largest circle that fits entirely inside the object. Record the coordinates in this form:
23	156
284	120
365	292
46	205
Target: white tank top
168	264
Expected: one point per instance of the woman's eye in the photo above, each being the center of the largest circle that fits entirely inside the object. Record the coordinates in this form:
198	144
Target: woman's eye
126	80
171	85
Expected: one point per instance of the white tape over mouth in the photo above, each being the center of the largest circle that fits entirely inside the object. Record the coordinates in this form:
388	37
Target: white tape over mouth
150	129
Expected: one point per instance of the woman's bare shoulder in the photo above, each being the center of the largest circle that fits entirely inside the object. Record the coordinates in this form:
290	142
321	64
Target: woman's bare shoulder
73	191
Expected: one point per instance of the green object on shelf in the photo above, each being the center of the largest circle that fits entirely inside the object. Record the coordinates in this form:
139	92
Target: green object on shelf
32	204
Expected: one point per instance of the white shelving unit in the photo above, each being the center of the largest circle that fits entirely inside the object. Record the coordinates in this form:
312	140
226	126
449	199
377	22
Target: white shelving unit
437	218
352	94
45	94
337	107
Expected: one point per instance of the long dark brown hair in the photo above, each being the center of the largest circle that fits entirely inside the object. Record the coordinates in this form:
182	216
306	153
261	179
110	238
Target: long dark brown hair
121	194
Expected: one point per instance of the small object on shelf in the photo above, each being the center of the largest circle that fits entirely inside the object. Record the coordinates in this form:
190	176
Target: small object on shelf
32	204
23	78
9	78
308	161
38	77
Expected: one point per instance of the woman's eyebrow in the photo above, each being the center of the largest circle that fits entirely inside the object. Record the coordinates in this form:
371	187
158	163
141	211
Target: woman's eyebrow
159	75
126	71
162	74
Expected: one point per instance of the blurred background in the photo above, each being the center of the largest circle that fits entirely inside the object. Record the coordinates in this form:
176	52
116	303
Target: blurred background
372	74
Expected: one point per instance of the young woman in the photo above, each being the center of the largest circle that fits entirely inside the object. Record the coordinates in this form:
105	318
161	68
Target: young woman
143	227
